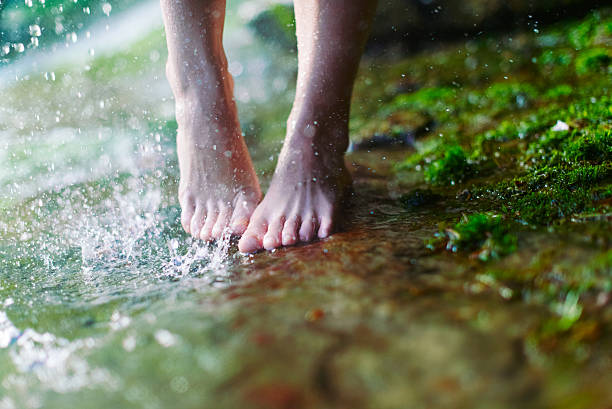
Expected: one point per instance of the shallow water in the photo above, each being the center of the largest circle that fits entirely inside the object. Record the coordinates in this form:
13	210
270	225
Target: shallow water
105	302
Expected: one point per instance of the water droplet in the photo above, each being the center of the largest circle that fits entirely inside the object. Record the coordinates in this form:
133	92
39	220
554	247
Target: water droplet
165	338
91	52
73	37
35	30
106	8
129	343
154	56
19	47
228	154
86	10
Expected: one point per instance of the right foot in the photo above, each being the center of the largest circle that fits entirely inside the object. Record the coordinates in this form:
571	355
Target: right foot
218	189
307	190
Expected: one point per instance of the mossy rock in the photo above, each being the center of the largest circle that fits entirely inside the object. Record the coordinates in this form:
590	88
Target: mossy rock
486	236
451	169
593	60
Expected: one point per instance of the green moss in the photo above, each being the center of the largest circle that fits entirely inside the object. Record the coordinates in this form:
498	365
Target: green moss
510	94
427	99
426	151
591	145
560	91
593	60
542	208
561	57
487	236
581	35
552	193
276	25
496	119
513	129
451	169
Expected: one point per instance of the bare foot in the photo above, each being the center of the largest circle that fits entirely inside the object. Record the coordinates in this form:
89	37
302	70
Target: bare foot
307	188
218	189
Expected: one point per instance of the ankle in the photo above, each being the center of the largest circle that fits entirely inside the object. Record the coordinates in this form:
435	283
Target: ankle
327	131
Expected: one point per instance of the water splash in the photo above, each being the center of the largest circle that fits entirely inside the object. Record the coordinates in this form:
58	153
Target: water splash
128	232
126	246
54	362
199	259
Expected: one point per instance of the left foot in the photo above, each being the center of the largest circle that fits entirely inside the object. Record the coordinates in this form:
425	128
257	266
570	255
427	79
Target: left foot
307	189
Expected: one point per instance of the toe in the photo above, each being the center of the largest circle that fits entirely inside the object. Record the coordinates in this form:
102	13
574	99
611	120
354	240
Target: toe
249	244
325	227
308	228
240	218
290	231
222	221
211	219
197	220
187	215
252	239
272	239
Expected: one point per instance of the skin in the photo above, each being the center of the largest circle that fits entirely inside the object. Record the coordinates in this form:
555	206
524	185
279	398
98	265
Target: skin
218	188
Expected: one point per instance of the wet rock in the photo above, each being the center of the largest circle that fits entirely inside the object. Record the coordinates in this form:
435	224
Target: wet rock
377	141
419	198
399	129
464	195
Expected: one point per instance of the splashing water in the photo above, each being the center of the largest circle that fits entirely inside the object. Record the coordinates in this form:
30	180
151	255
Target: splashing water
55	362
117	249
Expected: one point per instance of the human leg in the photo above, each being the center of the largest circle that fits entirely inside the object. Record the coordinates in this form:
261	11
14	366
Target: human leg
218	187
311	179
